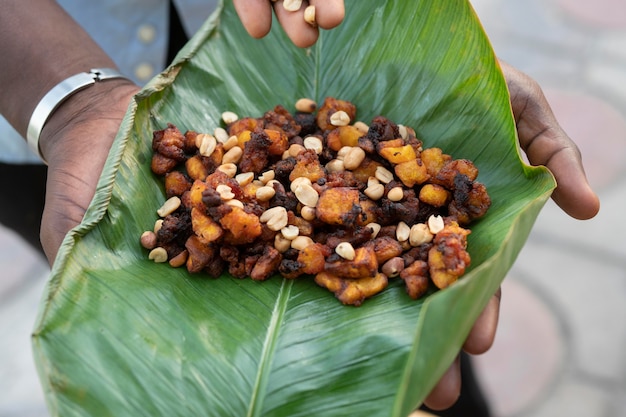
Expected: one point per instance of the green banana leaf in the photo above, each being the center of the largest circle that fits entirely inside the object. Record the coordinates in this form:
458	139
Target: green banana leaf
118	335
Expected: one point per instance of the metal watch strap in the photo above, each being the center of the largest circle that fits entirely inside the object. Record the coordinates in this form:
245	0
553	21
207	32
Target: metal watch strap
57	95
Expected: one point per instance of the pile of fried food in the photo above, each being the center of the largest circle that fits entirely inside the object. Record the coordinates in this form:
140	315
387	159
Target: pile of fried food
315	193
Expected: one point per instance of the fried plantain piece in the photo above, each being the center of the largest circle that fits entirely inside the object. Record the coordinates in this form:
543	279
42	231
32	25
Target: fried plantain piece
204	226
308	166
470	205
412	172
364	264
338	206
241	227
201	253
176	183
447	258
352	291
385	248
342	136
313	258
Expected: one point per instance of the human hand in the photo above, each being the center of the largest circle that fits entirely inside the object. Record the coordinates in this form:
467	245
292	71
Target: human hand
76	141
545	143
256	17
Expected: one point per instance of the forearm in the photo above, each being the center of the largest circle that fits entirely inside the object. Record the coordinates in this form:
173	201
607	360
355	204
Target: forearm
40	46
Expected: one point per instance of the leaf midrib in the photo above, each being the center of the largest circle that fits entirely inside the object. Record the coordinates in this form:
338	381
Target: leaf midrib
269	347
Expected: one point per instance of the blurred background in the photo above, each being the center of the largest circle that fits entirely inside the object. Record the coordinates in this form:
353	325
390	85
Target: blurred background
561	344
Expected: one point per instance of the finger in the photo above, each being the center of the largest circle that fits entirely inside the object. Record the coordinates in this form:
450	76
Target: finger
297	29
255	15
546	143
447	390
483	332
328	13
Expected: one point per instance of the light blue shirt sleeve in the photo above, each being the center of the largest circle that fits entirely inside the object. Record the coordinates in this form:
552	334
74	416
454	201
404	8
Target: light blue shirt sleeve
133	32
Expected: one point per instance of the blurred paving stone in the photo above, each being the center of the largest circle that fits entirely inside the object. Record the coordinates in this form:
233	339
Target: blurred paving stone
20	392
609	78
602	236
573	399
600	13
612	46
18	262
527	354
589	293
598	129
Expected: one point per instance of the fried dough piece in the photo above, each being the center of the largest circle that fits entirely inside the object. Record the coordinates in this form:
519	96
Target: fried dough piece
332	105
415	278
266	265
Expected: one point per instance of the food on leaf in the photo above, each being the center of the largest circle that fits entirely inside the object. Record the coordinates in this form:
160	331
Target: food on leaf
321	195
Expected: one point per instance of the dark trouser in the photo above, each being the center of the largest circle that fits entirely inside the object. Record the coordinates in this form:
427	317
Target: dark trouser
23	190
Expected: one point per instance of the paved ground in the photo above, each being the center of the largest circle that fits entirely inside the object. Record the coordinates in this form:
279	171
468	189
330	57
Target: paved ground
561	344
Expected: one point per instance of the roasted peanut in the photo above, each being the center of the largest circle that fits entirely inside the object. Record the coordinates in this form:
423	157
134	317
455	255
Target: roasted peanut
346	251
229	169
353	159
267	176
306	194
435	224
307	213
276	218
208	144
244	178
221	134
158	255
375	229
403	231
309	17
314	143
375	191
362	127
231	143
233	155
265	193
340	118
229	117
395	194
299	181
148	239
306	105
420	234
281	243
393	267
336	165
234	203
225	192
170	206
383	175
292	5
301	242
290	232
